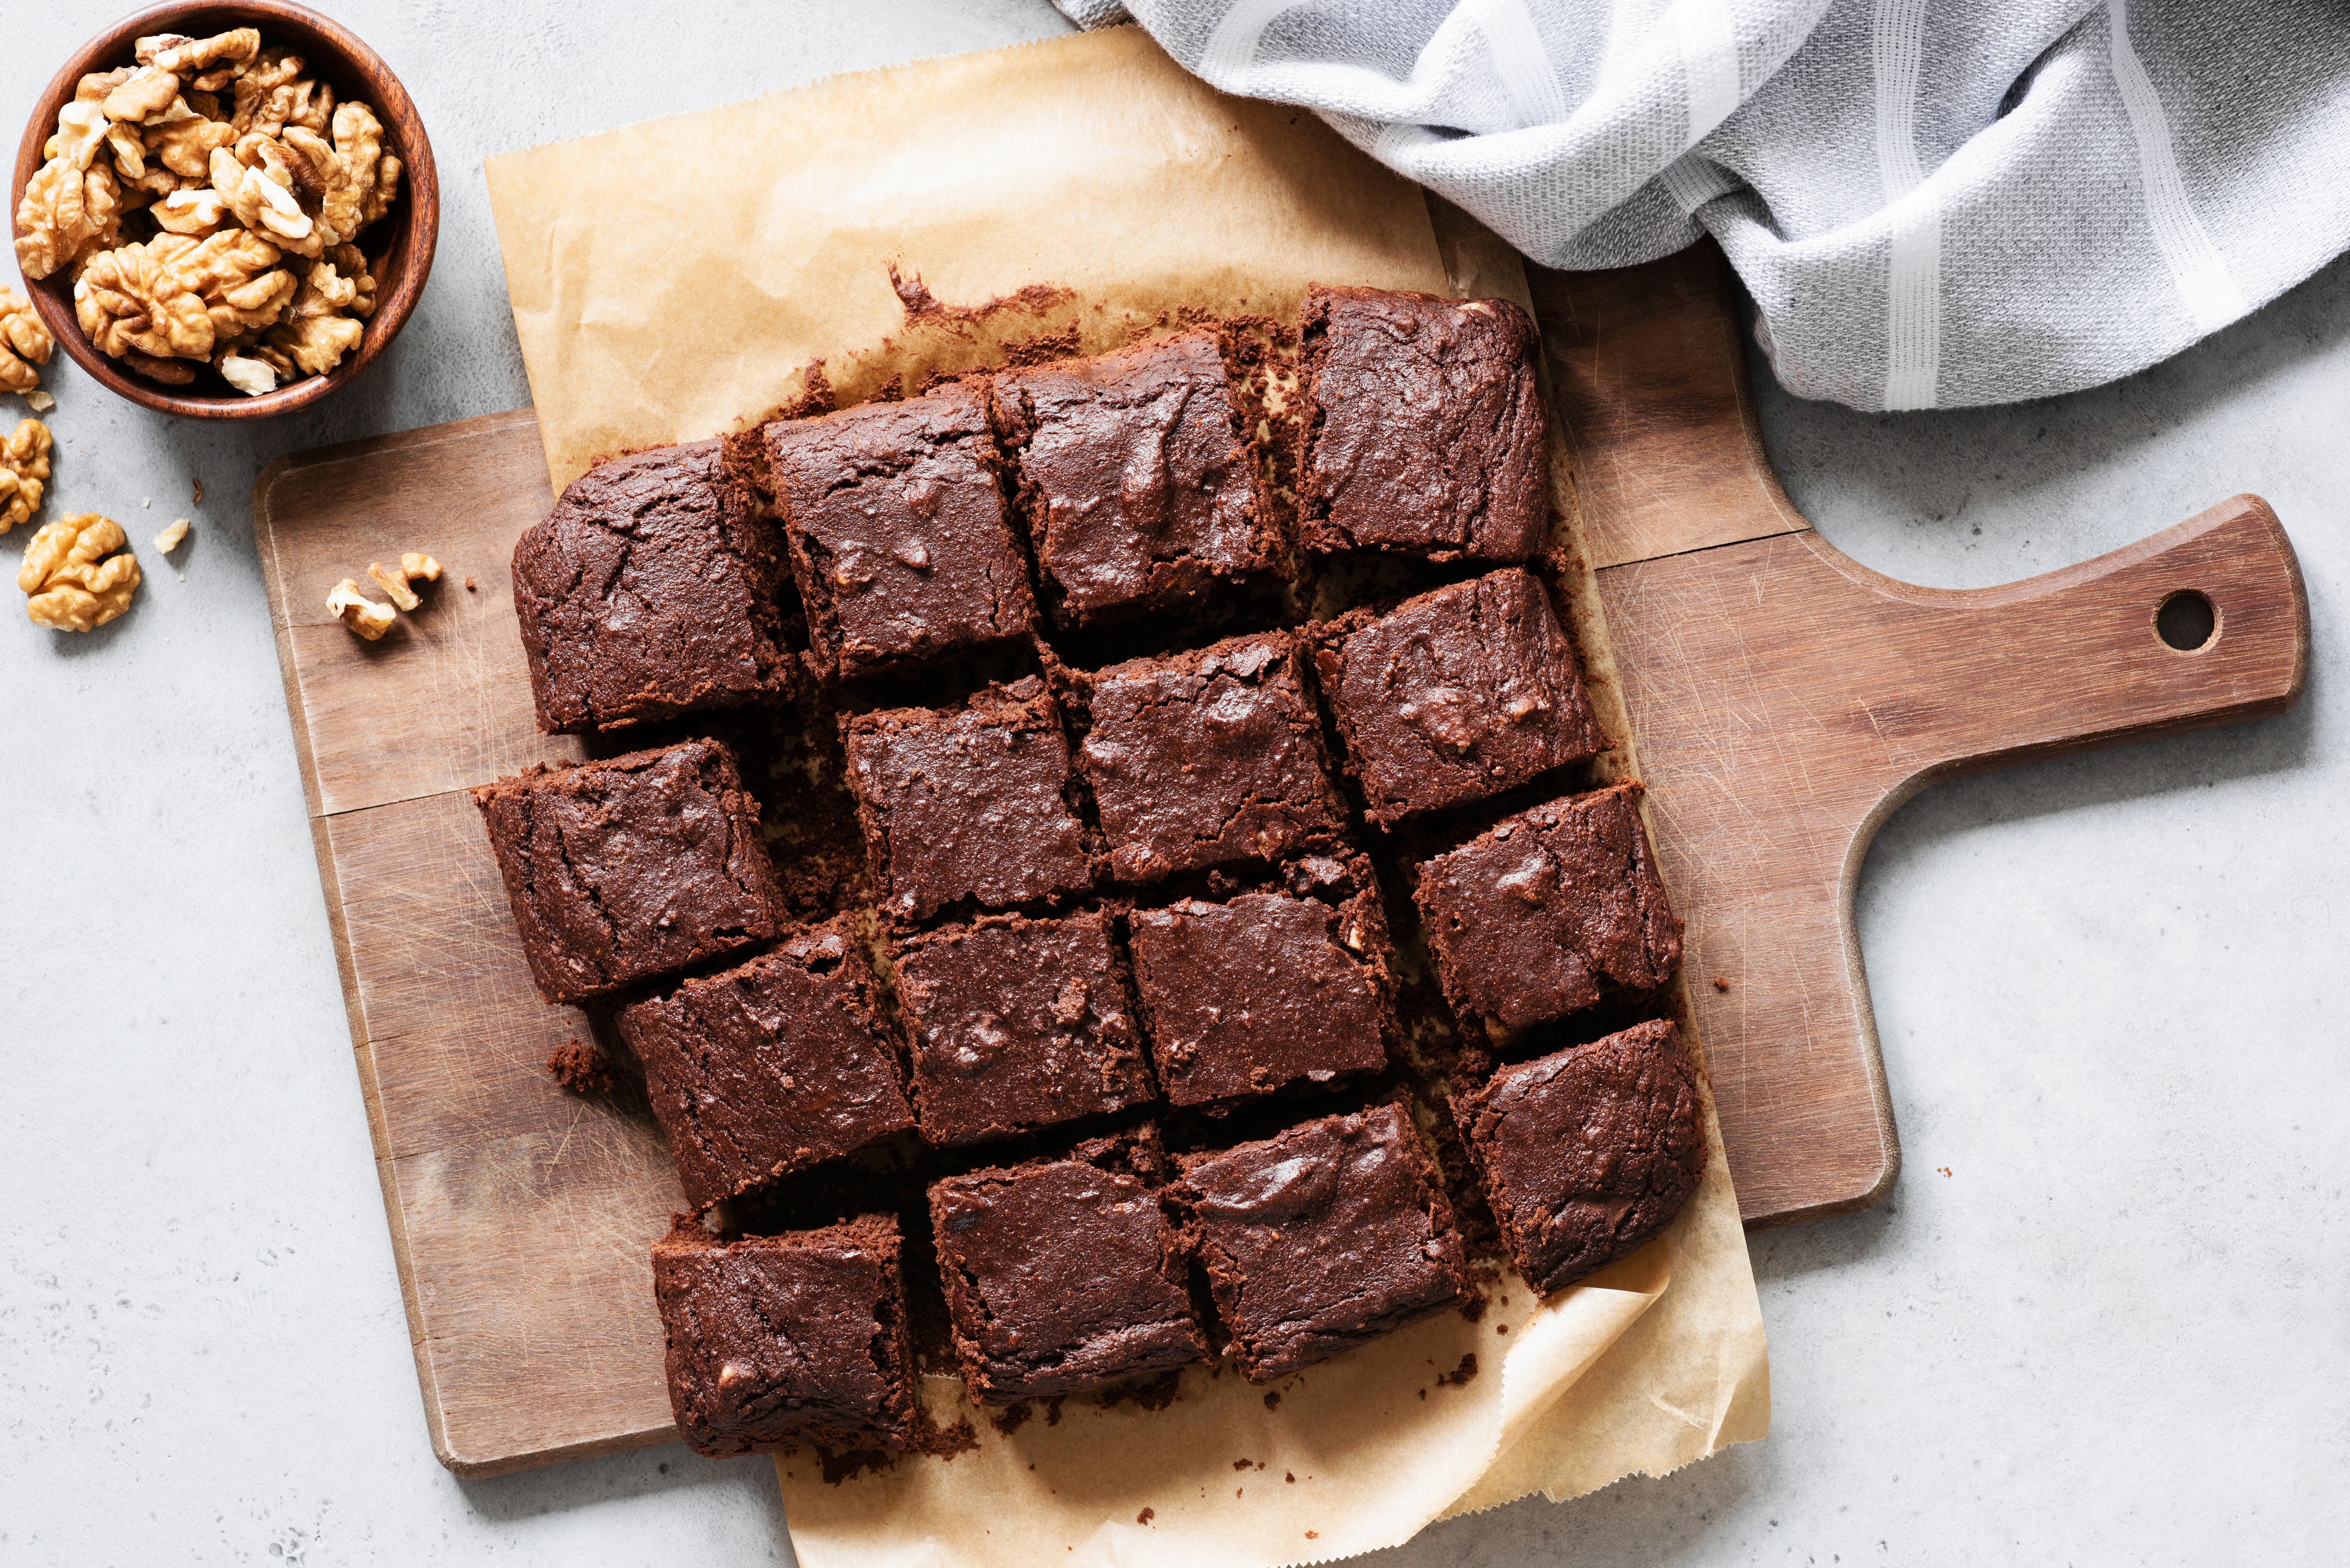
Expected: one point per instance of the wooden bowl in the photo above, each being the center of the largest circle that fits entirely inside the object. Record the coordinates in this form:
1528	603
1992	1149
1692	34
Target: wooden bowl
398	246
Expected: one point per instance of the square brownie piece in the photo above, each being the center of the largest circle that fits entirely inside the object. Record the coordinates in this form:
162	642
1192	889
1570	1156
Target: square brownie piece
1552	911
898	536
1586	1153
779	1341
1423	427
1455	695
1063	1275
1208	758
1135	487
1245	997
1323	1238
650	590
967	804
770	1067
624	870
1014	1024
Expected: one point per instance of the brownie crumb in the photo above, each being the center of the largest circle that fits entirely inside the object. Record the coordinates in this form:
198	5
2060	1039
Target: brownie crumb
1289	1477
1273	1402
1473	1309
921	304
1012	1418
1243	1464
1053	1409
942	1442
469	585
1146	1516
1145	1393
582	1069
851	1463
1719	983
1462	1372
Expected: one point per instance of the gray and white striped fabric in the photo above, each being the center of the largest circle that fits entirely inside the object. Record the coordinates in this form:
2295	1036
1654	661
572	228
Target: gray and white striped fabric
1934	203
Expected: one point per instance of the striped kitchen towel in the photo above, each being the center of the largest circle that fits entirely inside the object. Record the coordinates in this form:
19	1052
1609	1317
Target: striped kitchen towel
1934	203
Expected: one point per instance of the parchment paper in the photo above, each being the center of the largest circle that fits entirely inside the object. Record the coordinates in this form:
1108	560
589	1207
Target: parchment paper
674	279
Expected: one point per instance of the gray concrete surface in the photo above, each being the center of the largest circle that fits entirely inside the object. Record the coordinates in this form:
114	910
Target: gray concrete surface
2113	1333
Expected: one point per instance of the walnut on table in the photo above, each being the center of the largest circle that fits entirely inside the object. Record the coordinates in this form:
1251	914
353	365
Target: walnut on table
25	343
24	471
351	606
76	581
413	567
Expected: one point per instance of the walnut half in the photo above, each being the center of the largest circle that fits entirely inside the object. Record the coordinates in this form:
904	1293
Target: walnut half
76	581
25	343
23	470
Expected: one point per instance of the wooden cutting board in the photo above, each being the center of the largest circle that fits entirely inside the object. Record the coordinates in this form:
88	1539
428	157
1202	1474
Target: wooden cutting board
1784	701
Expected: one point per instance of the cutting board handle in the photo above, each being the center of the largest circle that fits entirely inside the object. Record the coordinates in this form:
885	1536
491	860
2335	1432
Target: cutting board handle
2204	623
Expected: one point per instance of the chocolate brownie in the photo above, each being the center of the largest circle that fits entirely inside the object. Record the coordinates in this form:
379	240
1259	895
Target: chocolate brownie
1208	758
1014	1024
650	590
770	1067
898	536
1247	996
968	804
624	870
1135	487
1586	1153
1423	427
1323	1238
779	1341
1063	1275
1552	911
1455	695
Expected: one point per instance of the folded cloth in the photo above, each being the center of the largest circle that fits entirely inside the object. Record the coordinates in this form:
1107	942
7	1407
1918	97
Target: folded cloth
1934	203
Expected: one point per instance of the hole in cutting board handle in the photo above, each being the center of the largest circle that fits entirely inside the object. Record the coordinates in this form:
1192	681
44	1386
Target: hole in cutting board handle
2187	621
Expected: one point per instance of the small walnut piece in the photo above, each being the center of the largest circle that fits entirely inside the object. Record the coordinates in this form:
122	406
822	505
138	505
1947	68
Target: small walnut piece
394	585
359	612
40	402
148	91
417	564
169	539
76	581
251	377
183	55
63	208
196	212
80	128
24	471
183	140
25	343
315	331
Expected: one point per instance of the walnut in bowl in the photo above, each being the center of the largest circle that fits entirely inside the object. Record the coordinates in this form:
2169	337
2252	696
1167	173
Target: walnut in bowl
225	211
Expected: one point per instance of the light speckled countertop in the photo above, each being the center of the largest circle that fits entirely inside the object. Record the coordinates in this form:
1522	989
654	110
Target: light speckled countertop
2113	1332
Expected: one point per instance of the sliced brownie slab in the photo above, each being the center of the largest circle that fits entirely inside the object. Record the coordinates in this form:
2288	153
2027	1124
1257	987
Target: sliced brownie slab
770	1067
1136	490
779	1341
1424	427
1455	695
1586	1153
650	590
625	870
1323	1238
897	533
1063	1275
1552	911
